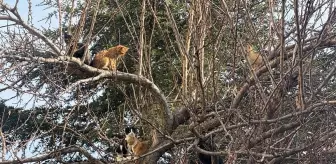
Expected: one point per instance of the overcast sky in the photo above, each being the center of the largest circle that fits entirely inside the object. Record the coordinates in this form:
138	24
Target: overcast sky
38	14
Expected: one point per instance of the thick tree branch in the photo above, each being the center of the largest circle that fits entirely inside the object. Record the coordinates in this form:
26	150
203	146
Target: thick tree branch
51	155
271	132
118	76
33	32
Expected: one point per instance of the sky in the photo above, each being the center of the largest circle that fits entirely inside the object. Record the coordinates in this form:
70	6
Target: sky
38	14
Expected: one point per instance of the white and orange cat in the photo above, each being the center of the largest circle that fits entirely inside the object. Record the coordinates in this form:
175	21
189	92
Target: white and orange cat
136	146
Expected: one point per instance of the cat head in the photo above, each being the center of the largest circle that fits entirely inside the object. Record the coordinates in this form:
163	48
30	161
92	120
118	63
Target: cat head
250	48
130	138
122	49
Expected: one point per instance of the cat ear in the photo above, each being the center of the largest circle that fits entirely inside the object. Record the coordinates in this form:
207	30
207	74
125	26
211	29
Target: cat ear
119	48
122	48
125	48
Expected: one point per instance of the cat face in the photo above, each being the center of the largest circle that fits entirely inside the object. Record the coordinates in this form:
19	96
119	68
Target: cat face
130	138
122	49
249	48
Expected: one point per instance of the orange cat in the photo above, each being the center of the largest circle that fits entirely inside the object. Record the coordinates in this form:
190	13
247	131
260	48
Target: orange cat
254	57
138	147
107	59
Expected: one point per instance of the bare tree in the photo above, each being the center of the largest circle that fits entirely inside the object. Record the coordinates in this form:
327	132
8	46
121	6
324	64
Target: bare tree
229	111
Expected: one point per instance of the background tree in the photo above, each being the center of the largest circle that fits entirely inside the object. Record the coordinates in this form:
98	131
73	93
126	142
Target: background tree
186	75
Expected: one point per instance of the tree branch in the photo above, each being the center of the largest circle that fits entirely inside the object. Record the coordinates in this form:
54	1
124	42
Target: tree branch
274	63
118	76
51	155
33	32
